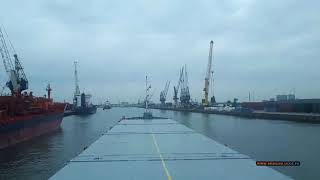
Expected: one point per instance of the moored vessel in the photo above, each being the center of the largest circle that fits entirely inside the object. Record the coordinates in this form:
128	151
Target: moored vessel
106	105
22	115
82	104
85	106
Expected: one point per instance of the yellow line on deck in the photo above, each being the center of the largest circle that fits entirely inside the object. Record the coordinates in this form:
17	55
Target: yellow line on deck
162	161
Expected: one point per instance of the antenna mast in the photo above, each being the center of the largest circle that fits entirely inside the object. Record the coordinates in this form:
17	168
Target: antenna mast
147	114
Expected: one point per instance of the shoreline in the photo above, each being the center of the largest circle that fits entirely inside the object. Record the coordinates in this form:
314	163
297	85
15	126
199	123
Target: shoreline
298	117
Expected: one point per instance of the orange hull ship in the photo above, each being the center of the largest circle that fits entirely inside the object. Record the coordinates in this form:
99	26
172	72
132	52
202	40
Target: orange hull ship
24	117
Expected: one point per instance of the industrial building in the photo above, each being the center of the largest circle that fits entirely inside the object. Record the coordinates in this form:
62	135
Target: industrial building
296	105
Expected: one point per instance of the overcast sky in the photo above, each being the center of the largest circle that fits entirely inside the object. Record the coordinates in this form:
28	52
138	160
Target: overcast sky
266	47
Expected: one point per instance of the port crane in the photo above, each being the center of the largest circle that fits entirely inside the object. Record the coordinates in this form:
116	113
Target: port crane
205	101
176	88
147	113
150	95
18	81
163	94
185	94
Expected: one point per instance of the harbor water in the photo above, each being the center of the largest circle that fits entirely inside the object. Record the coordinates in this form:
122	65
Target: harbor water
260	139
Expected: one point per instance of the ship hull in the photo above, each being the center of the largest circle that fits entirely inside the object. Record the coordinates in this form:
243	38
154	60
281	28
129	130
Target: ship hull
86	110
14	133
106	107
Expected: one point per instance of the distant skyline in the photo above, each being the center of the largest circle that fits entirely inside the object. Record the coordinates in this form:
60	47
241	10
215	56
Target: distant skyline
263	47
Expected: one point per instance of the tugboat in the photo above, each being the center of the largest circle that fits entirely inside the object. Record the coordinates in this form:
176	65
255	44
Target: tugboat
22	115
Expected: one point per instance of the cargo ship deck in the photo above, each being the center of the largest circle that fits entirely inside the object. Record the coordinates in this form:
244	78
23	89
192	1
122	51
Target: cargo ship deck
161	149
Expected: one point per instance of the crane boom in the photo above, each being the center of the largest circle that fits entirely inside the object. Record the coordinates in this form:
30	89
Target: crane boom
5	53
17	78
166	89
181	76
205	100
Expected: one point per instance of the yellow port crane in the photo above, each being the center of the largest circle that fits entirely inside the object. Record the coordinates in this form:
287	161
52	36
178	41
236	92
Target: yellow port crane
205	101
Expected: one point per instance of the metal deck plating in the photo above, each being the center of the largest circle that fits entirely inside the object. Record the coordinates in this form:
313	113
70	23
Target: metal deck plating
160	149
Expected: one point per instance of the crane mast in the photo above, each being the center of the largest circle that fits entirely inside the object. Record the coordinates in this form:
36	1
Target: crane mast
76	99
147	113
18	81
205	101
76	80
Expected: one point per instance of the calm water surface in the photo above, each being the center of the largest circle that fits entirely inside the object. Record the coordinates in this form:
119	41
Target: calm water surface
41	157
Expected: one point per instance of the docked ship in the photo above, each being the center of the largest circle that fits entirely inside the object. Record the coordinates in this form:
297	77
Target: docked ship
82	104
22	115
85	106
107	105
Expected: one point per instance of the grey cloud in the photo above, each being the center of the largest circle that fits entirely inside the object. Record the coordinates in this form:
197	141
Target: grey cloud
264	46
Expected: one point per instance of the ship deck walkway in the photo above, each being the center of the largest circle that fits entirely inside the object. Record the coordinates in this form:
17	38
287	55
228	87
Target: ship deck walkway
161	149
